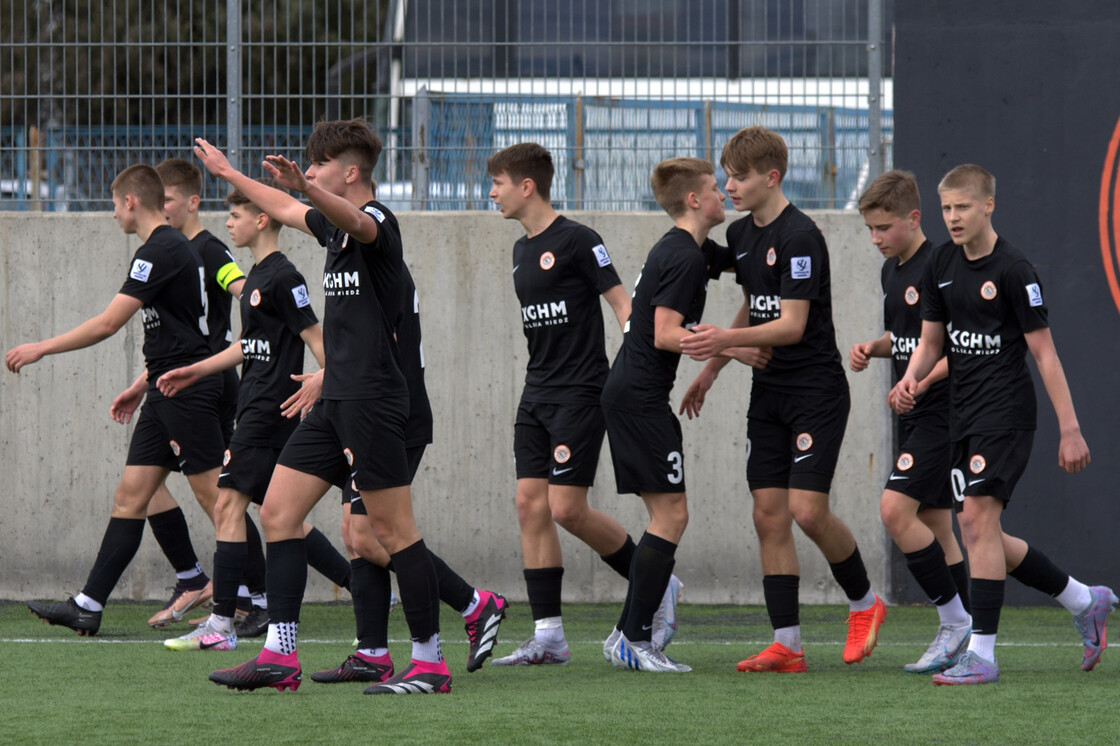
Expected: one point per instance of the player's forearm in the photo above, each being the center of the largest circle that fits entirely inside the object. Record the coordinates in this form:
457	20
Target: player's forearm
922	361
84	335
881	347
279	205
670	339
228	358
1053	377
780	332
342	214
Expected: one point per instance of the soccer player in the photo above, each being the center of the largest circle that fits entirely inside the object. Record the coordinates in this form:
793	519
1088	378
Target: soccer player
482	610
356	430
645	436
982	296
560	270
917	500
799	401
166	284
276	322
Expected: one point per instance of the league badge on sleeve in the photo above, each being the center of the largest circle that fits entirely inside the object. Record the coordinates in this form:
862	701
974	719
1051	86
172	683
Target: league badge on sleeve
141	270
301	297
801	267
377	214
601	255
1034	294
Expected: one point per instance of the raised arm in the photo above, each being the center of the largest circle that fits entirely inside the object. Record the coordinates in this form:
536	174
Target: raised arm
339	211
88	333
1073	452
278	204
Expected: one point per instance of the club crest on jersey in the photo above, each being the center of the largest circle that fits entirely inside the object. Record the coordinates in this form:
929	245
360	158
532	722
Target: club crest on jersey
804	442
905	461
561	454
911	296
255	298
1034	295
601	255
771	257
225	458
141	270
801	268
988	290
547	260
349	456
977	464
174	447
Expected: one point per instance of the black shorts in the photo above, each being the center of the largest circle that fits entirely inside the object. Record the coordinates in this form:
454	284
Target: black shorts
647	452
990	464
248	469
921	469
353	498
558	442
227	405
360	440
793	441
181	433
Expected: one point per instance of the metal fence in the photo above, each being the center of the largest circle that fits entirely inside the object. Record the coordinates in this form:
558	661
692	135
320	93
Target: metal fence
609	86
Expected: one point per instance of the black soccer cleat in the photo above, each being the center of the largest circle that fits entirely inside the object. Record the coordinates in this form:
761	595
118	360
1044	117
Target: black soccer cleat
356	668
68	614
418	678
267	669
253	625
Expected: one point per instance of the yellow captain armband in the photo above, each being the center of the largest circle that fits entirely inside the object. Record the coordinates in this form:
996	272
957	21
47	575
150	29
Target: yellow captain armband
227	274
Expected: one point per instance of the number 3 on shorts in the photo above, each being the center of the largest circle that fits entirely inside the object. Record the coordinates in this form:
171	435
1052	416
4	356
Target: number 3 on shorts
676	463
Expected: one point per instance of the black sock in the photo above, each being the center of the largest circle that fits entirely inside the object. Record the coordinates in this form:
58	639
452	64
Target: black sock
959	571
453	590
416	578
782	604
649	575
621	560
286	579
330	563
370	589
229	567
852	576
987	600
118	547
1038	572
174	537
929	569
543	585
254	560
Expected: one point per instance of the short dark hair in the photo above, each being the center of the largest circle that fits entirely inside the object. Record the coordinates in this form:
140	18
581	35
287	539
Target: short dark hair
674	178
350	137
525	160
895	192
236	197
142	182
181	173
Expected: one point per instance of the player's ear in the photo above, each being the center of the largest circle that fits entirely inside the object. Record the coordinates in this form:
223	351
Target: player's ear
262	221
773	178
193	203
915	218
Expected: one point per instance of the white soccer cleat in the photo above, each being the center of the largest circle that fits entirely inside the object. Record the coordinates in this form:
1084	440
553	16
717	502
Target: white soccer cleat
665	618
610	642
533	652
947	647
643	656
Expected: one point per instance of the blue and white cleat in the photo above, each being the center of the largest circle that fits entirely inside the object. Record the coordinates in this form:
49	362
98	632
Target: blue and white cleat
1092	625
949	644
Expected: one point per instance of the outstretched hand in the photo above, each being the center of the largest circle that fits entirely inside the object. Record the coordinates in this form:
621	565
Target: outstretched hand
288	173
213	159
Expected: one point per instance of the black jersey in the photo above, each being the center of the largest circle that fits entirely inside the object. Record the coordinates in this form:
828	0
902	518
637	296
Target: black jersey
675	275
902	312
361	281
167	276
418	431
788	259
275	309
987	305
221	269
559	276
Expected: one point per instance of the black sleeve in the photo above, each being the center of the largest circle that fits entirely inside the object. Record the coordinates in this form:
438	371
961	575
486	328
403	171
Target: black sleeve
151	270
294	304
678	282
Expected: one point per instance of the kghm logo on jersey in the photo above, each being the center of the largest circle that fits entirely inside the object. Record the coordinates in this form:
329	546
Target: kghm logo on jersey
561	454
771	257
905	461
911	296
988	290
149	317
903	347
256	349
804	442
964	342
977	464
547	260
537	315
765	307
341	283
255	298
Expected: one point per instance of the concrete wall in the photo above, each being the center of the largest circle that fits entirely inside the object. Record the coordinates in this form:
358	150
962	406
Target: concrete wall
62	455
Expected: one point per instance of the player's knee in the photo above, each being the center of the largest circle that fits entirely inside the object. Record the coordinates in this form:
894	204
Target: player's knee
811	519
894	517
569	516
